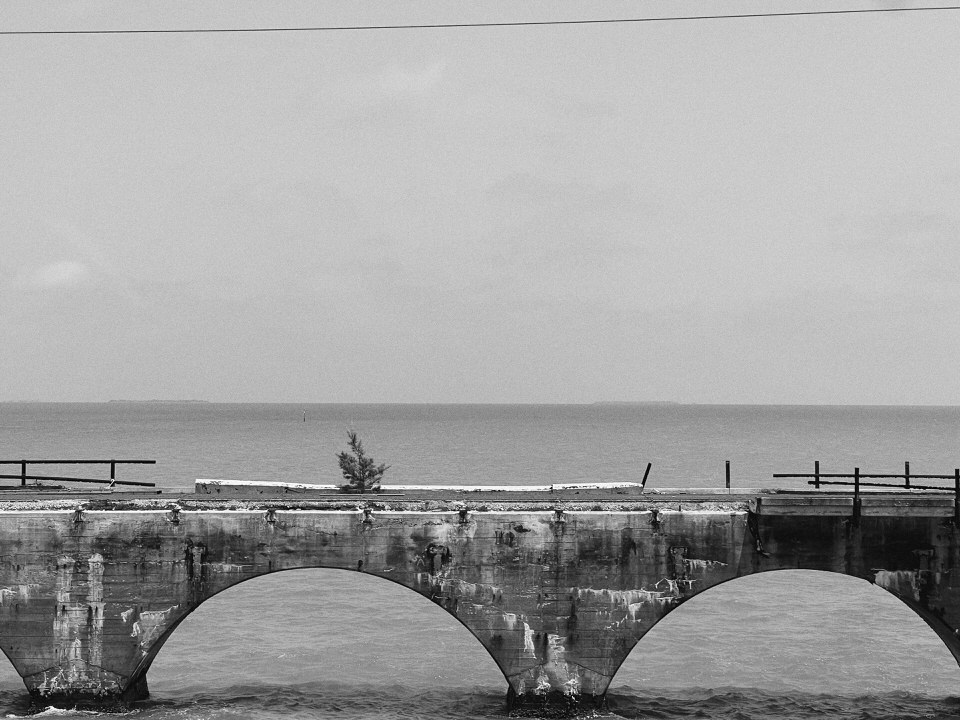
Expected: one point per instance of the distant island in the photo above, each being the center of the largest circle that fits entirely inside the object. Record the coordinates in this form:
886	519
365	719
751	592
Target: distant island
161	402
636	402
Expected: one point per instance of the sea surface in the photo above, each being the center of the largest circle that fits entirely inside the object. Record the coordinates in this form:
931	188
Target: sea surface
337	644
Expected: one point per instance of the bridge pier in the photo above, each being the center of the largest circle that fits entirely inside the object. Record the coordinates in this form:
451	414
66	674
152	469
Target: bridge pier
76	684
553	703
101	701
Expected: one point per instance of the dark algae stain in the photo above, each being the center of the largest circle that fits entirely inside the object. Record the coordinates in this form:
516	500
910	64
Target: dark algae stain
433	553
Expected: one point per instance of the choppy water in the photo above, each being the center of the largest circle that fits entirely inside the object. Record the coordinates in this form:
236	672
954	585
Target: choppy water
327	643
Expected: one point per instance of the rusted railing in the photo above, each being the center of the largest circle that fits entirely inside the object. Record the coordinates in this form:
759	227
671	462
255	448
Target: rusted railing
857	478
24	476
857	483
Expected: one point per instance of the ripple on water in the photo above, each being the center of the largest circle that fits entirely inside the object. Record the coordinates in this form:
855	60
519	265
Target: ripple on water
751	704
345	701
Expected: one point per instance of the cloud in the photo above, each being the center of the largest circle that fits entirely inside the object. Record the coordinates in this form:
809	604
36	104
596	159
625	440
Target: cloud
66	273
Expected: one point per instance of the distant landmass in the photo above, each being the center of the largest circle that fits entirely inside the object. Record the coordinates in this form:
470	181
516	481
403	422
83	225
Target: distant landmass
636	402
161	402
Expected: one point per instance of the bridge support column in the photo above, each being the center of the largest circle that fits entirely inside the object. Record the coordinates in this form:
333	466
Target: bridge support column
553	703
67	689
557	687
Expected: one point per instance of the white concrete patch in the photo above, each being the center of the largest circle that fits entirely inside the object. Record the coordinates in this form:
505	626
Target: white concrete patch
150	625
899	582
255	483
427	488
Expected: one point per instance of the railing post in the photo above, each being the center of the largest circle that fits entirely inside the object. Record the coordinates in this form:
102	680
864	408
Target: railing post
728	474
816	474
906	474
113	471
856	496
956	496
23	473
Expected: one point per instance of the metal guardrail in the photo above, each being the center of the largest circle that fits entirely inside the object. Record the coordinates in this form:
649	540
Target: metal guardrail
857	475
858	483
24	476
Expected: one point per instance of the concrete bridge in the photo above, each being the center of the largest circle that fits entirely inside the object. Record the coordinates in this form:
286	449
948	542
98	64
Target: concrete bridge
558	584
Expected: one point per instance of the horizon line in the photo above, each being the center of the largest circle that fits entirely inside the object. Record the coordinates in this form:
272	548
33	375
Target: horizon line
586	403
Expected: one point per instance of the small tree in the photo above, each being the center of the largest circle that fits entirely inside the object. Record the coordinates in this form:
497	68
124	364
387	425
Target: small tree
361	473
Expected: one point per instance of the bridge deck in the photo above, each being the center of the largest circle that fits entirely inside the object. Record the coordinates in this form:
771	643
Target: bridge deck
763	501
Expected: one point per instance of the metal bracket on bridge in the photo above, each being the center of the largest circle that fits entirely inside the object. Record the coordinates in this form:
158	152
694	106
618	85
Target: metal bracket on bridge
464	515
956	496
78	514
558	515
174	516
857	503
271	516
655	519
753	525
367	515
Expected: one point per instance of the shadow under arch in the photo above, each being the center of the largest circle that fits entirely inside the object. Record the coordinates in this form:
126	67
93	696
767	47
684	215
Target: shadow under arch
320	622
14	702
9	677
794	630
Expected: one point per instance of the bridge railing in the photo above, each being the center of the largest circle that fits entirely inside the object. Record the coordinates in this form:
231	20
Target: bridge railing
23	476
857	478
857	483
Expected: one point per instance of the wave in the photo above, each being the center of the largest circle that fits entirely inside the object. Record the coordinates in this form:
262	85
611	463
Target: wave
753	704
325	700
344	701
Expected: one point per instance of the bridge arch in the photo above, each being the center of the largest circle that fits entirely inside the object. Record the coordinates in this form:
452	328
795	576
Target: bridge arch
313	616
797	630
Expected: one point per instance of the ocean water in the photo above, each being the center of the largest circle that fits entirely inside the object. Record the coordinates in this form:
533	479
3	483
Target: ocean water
331	643
487	444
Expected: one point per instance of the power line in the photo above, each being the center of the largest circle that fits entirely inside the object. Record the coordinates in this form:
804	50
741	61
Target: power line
434	26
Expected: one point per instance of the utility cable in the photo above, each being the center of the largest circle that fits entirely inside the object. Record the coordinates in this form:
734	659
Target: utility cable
531	23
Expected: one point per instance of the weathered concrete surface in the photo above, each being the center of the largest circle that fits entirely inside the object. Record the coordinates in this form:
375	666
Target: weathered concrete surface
558	597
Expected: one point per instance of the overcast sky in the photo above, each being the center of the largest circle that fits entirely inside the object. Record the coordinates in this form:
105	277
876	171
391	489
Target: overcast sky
732	211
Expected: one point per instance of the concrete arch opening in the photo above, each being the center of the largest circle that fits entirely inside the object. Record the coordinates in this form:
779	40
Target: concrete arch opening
338	628
802	631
